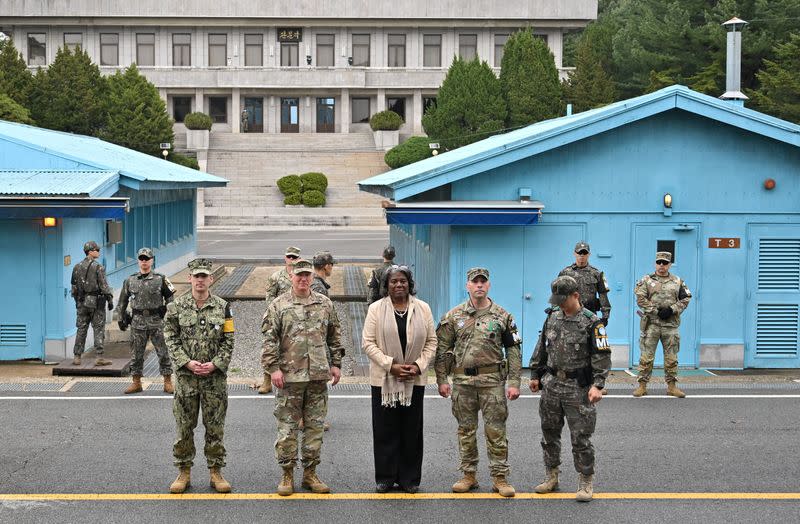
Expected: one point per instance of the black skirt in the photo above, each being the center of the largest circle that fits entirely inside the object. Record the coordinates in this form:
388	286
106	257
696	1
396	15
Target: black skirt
397	440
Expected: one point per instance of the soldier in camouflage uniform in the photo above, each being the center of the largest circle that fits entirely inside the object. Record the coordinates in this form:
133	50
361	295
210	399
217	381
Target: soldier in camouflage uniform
479	345
279	283
91	292
592	284
301	332
662	297
376	292
148	293
323	268
198	330
570	364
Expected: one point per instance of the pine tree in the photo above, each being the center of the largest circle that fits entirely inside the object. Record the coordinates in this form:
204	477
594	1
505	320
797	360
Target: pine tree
779	94
15	79
590	85
12	111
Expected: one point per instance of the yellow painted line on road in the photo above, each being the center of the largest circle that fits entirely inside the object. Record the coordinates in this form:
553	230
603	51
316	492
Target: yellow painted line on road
390	496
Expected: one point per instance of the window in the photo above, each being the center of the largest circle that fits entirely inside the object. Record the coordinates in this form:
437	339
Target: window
109	48
666	245
290	52
181	49
73	41
499	47
361	50
398	105
145	49
360	110
37	49
467	46
326	50
432	51
181	106
218	109
397	50
428	102
217	50
543	38
253	50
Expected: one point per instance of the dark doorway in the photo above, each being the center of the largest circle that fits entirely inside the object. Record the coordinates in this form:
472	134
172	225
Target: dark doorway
253	115
326	115
290	115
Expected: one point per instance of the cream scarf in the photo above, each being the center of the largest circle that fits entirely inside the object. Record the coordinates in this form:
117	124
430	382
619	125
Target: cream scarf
394	392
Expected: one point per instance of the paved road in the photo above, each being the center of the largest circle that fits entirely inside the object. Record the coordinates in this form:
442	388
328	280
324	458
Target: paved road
57	444
345	243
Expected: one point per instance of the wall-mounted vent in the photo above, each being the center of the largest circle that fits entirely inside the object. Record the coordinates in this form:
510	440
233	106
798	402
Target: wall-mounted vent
13	335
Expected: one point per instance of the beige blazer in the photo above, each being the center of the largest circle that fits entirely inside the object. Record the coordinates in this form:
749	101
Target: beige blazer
380	362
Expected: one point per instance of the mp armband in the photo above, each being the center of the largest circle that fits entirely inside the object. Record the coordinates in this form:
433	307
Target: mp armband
599	337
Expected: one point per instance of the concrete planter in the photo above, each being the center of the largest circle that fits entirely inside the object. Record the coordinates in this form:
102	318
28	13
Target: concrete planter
385	140
197	139
297	206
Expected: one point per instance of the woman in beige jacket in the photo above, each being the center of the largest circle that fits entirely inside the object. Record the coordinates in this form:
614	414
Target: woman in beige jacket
400	340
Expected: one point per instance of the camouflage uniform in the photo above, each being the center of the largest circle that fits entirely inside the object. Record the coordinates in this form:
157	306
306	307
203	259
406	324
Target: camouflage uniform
89	279
300	335
278	283
470	338
571	356
654	292
320	286
148	295
376	282
592	286
204	334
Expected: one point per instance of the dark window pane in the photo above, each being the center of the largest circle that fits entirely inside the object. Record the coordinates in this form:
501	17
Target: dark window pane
360	110
499	46
290	54
181	106
109	49
361	50
73	40
37	49
428	102
668	246
432	50
217	50
181	49
145	49
253	50
467	46
326	45
398	105
218	109
397	50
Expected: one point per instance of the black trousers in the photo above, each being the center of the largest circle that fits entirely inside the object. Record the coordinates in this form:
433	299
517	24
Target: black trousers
397	440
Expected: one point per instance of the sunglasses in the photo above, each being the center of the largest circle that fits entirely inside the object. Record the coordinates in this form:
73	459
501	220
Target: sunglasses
292	257
662	262
582	252
144	258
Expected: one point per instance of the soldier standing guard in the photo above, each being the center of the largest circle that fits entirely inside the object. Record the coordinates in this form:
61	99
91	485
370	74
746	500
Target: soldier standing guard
300	329
323	268
198	330
592	284
662	297
570	365
479	345
149	293
376	280
91	292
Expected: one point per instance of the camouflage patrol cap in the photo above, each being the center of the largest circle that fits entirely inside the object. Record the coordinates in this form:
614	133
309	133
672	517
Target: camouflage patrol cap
476	272
664	255
323	258
562	287
291	250
389	253
580	246
302	266
145	252
90	246
200	266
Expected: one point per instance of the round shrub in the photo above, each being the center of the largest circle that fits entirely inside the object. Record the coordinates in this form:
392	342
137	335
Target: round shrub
290	184
187	161
293	199
197	121
385	121
412	150
314	181
313	198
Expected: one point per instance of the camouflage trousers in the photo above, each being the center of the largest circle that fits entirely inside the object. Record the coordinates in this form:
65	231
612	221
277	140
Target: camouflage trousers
648	342
566	399
491	401
139	339
95	317
193	393
306	401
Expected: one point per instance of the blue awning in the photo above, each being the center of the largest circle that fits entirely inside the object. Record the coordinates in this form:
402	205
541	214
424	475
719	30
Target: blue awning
32	207
466	213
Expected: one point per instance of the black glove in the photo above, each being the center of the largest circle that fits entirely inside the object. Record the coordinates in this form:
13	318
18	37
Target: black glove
162	311
604	320
664	313
122	325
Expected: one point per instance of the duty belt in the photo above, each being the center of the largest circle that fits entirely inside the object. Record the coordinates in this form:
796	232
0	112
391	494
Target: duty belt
478	370
563	374
146	312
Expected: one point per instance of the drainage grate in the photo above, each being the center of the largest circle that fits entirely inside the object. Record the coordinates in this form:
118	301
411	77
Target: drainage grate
231	284
358	312
41	386
98	387
354	283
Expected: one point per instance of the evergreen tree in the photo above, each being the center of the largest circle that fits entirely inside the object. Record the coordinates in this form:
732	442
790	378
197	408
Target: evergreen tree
469	106
70	95
137	116
529	79
12	111
590	85
15	79
779	94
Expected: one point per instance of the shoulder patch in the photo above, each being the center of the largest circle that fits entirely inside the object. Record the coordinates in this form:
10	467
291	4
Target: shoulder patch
600	338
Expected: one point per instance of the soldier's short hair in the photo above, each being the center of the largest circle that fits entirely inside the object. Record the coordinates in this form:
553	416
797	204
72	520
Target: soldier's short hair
322	259
389	253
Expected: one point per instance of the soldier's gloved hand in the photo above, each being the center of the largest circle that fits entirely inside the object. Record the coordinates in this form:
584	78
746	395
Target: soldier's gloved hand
604	320
664	313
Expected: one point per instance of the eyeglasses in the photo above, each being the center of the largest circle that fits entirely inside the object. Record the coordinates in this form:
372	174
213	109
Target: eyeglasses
143	258
662	262
292	257
582	252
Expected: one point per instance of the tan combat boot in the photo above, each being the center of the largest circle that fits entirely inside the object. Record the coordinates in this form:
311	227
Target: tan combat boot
76	361
500	485
100	361
182	482
585	489
674	391
641	390
218	482
465	483
550	483
136	385
311	481
168	387
286	485
266	386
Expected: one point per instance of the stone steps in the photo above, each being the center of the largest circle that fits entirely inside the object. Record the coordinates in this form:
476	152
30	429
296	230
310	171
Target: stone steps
289	221
291	142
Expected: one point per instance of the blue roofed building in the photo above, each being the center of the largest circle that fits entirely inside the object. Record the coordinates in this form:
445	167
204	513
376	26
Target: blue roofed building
713	182
59	190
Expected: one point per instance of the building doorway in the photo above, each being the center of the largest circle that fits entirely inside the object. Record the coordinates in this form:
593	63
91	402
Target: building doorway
253	115
290	115
326	115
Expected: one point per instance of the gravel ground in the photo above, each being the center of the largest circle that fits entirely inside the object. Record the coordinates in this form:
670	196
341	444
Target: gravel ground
246	361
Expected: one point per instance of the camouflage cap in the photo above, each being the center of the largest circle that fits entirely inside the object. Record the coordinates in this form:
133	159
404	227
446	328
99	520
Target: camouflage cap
302	266
476	272
580	246
389	252
323	258
291	250
145	252
200	266
562	287
90	246
664	255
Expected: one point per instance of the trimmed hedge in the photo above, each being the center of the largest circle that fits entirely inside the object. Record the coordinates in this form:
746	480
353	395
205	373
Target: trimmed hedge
293	199
313	198
290	184
188	161
385	121
412	150
197	121
314	181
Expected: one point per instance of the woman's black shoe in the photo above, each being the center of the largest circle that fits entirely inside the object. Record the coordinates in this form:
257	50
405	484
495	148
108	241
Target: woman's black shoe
382	487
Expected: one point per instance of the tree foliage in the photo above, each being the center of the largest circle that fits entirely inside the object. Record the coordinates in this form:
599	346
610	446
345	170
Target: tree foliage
12	111
412	150
779	94
591	85
16	81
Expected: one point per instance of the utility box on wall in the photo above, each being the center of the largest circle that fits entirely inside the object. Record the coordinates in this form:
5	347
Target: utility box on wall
114	231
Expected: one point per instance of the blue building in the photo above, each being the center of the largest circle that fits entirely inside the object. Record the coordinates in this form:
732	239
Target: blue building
87	189
709	180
